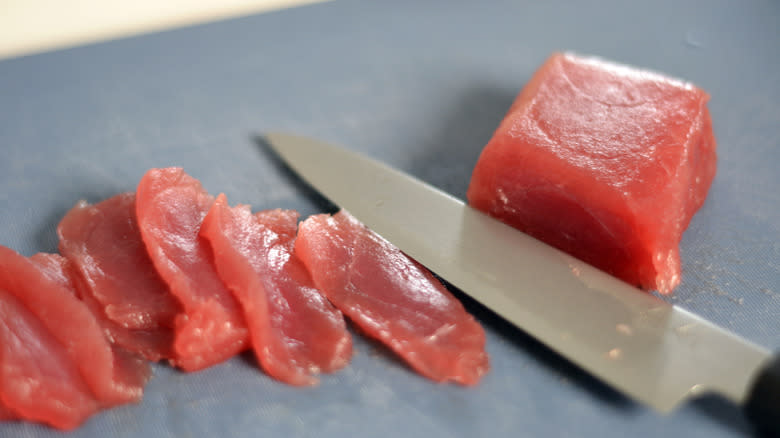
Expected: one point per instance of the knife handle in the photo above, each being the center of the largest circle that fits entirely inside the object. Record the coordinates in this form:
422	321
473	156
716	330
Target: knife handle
763	403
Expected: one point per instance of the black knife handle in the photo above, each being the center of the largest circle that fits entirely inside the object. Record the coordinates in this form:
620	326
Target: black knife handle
763	403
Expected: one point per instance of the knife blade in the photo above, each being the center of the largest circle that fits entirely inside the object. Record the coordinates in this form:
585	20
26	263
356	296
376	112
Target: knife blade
655	352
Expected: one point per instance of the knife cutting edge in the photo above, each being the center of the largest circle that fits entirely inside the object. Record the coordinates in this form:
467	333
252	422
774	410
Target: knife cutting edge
655	352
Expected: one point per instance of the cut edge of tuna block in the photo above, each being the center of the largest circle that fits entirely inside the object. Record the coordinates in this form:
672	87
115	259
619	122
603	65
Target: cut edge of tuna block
606	162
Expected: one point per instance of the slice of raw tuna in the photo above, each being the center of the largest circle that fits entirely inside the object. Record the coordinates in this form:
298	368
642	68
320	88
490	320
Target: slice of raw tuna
131	371
392	298
57	268
38	379
152	344
603	161
295	331
116	277
170	207
38	286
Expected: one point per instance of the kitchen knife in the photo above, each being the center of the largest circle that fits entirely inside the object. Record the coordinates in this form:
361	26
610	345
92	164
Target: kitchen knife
653	351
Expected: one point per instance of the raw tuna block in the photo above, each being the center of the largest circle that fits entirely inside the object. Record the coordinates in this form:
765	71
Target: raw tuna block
603	161
170	207
295	331
6	413
392	298
116	277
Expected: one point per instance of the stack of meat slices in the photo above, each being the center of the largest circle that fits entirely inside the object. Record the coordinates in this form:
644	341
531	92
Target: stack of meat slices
171	273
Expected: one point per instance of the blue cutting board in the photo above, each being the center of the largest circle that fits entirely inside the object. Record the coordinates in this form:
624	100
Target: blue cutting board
421	86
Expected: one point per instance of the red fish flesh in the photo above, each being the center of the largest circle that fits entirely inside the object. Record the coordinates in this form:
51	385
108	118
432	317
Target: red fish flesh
38	380
295	331
41	289
131	371
603	161
116	277
170	207
392	298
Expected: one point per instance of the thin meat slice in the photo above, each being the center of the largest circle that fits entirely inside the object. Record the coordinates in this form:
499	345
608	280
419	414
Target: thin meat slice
116	277
170	207
104	244
131	372
39	288
56	267
393	298
295	331
38	379
153	344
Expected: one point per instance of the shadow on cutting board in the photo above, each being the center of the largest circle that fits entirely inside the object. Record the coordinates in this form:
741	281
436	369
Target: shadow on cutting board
447	153
321	203
716	408
725	413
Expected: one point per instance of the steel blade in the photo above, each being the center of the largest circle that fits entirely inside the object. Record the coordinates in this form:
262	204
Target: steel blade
656	353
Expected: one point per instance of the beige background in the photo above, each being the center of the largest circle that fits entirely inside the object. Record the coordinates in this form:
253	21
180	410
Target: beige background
33	26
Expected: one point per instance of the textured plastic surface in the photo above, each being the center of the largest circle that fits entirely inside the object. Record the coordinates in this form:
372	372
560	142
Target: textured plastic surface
421	86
